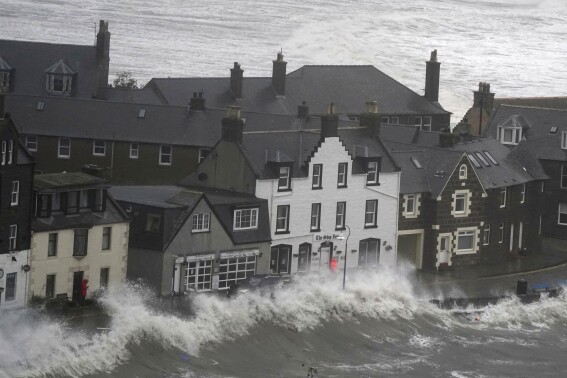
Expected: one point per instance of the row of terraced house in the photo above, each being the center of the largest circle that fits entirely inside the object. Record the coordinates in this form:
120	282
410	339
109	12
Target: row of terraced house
197	183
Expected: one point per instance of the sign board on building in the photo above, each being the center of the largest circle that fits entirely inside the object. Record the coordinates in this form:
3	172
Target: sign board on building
241	253
328	237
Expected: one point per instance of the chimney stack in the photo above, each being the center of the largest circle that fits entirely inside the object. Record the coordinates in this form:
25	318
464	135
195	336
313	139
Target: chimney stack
432	72
330	123
371	118
236	74
102	59
303	110
278	75
483	98
197	102
232	125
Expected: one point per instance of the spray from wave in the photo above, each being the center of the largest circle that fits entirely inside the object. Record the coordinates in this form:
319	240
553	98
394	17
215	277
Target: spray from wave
35	345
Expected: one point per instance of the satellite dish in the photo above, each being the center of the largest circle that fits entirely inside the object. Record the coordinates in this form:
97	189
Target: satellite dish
26	268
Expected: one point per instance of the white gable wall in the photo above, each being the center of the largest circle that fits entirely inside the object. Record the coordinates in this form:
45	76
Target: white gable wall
302	196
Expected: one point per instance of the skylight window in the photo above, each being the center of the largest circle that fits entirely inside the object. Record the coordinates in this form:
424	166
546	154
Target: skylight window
142	113
553	129
416	163
479	155
474	161
40	105
492	159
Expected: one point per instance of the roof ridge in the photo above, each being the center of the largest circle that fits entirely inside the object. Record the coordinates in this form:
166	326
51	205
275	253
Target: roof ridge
532	107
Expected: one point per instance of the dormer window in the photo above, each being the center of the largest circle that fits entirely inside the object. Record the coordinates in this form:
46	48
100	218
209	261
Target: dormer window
5	71
372	173
4	80
59	79
284	181
509	135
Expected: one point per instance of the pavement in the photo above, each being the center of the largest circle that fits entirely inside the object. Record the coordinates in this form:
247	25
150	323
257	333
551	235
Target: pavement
547	266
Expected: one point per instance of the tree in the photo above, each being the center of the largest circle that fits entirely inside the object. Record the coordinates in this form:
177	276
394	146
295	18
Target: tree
124	79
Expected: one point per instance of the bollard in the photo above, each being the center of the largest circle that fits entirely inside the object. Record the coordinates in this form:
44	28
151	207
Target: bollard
522	287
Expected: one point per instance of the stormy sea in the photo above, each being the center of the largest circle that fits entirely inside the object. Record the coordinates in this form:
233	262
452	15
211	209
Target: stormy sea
379	326
382	324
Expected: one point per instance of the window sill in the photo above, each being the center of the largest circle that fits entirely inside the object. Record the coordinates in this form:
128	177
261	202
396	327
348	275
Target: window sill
372	184
465	252
315	230
63	157
340	228
341	186
280	190
370	226
79	257
316	187
282	232
99	155
460	215
200	231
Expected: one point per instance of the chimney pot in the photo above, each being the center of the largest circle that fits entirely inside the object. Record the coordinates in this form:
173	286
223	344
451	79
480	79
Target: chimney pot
236	75
372	107
233	112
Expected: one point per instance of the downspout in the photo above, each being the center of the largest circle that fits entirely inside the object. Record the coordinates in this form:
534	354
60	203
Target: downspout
112	159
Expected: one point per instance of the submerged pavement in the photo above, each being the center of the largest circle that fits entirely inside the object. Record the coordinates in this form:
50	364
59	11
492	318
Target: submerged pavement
548	266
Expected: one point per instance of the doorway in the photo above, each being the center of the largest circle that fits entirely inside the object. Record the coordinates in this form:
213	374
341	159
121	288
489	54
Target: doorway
444	251
304	260
77	280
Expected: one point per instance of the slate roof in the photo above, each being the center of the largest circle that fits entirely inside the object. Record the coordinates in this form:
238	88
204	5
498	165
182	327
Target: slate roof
434	160
23	156
221	202
538	102
30	60
65	181
349	87
139	96
48	183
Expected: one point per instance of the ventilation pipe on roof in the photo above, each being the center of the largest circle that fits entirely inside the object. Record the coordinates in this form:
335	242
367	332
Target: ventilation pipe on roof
330	123
432	73
236	74
303	110
232	125
197	102
102	58
278	75
371	118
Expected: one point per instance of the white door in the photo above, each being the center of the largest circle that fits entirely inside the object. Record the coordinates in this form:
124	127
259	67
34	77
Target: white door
443	257
325	255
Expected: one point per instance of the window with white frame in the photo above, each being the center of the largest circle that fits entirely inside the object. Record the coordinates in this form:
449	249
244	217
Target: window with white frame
80	242
282	219
317	182
31	143
394	120
284	181
503	193
564	140
199	274
461	203
315	217
4	150
465	241
501	232
10	151
523	193
371	213
99	147
134	150
201	222
15	197
245	219
59	84
372	173
165	154
410	204
417	121
563	177
12	241
486	235
64	148
426	123
509	135
342	175
463	172
562	218
340	216
232	270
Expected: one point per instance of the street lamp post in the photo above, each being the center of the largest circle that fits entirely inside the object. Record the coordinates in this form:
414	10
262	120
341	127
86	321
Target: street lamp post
346	254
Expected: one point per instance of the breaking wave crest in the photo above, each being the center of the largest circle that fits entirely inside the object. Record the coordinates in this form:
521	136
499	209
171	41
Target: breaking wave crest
35	345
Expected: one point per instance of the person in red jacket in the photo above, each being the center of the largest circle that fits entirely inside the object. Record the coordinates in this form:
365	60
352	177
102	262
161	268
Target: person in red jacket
84	287
334	264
